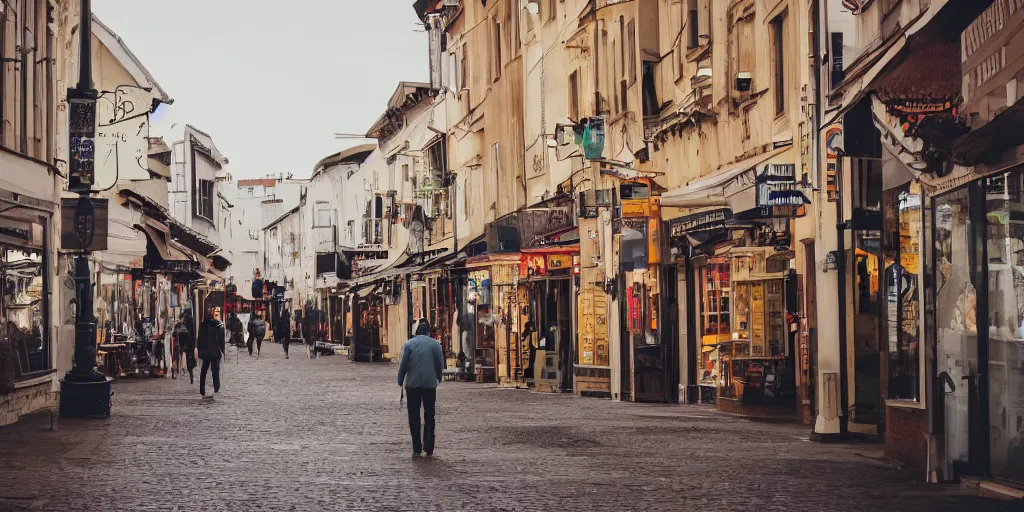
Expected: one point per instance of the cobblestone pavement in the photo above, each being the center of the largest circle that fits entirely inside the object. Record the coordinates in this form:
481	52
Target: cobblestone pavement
327	434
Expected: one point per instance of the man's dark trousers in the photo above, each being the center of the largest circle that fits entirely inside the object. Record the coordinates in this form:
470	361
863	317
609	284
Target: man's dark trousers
427	397
209	364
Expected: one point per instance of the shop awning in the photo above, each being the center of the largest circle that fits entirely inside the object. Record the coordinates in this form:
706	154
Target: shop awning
709	191
169	249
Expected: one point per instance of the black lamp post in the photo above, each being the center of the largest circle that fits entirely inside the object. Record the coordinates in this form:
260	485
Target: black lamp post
84	391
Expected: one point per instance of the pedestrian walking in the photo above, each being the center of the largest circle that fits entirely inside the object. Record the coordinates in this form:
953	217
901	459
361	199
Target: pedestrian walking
210	347
420	371
283	331
185	345
257	331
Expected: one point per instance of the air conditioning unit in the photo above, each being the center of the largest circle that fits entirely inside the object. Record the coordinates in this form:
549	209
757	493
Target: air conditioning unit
743	81
450	3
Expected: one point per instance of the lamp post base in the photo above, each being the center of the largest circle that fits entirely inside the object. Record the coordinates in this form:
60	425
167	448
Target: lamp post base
84	399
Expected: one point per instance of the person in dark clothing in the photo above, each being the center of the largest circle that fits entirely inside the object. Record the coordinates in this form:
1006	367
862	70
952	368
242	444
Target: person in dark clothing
210	346
420	371
186	345
257	331
529	338
235	326
283	331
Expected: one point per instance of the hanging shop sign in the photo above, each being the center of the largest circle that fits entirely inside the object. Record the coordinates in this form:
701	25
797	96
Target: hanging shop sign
654	245
833	141
69	239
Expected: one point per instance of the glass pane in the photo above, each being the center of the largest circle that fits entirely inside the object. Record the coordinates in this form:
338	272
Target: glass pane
23	308
1005	244
956	317
902	285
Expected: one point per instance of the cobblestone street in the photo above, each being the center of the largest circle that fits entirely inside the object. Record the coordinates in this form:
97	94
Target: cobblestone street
330	435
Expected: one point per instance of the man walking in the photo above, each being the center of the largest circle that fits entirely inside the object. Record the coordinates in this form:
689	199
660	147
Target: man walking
420	372
283	331
210	348
257	331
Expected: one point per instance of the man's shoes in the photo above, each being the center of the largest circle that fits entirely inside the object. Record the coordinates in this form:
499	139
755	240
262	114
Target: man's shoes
417	455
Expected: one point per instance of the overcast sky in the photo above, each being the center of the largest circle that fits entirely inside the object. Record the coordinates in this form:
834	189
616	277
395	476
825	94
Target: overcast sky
272	82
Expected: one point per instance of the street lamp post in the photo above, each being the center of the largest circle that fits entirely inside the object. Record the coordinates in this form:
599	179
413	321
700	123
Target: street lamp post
85	392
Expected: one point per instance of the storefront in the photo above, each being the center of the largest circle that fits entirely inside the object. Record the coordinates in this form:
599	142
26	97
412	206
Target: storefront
29	345
743	312
490	328
546	300
648	362
978	267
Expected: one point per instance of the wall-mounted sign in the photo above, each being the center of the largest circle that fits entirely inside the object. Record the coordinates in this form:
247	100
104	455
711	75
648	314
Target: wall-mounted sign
636	208
773	191
559	261
534	265
703	221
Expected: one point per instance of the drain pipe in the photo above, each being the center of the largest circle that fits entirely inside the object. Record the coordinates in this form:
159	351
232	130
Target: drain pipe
841	229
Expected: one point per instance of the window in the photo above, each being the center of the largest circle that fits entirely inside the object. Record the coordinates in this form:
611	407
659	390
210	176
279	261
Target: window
611	81
324	218
26	78
622	45
903	222
778	27
650	92
623	94
497	49
204	199
464	68
552	9
742	59
714	322
254	234
692	30
405	172
24	312
574	96
631	51
250	191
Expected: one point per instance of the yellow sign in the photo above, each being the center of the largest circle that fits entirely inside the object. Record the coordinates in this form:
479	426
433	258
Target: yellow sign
636	208
559	261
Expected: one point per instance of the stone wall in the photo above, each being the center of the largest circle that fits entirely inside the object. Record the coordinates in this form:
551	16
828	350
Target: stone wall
28	399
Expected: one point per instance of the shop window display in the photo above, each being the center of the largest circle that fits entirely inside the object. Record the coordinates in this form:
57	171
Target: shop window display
21	272
903	305
715	322
1004	243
